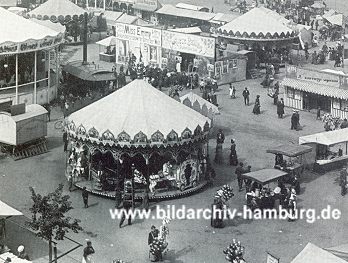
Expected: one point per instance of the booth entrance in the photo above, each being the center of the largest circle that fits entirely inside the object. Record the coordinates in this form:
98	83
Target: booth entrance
313	101
187	59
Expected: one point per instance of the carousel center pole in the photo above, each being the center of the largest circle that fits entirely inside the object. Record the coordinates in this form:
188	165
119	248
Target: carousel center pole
85	37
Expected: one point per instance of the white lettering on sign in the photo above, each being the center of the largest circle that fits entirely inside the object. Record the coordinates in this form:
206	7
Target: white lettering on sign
322	78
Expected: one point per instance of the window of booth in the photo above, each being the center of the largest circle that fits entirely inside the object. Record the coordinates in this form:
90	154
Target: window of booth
290	93
7	71
232	63
340	104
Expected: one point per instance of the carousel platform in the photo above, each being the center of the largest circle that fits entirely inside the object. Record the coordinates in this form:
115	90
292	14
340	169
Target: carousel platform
138	196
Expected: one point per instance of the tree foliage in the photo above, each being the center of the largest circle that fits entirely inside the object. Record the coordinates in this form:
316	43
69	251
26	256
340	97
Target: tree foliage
49	218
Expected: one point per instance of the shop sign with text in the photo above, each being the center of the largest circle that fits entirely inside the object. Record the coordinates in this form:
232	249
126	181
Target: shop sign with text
192	44
138	34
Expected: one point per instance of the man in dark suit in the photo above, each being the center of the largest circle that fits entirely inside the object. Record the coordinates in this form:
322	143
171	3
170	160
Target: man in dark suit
127	206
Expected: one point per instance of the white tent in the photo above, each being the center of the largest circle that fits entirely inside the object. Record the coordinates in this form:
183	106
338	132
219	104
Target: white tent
313	254
23	30
199	104
138	108
337	20
106	42
47	23
56	8
6	210
326	138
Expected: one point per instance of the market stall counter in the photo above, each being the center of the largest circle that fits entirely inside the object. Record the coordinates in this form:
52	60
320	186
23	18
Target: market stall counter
295	164
331	149
259	196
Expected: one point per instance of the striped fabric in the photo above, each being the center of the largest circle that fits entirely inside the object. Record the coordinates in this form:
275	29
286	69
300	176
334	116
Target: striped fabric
319	89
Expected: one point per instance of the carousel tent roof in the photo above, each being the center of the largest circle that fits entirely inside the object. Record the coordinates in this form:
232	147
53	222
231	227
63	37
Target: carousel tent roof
326	138
138	107
24	29
199	104
258	21
336	19
47	23
57	8
7	3
109	41
224	18
340	251
313	254
6	210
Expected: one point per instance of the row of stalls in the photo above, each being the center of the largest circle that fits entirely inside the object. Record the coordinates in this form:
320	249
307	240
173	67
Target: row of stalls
307	89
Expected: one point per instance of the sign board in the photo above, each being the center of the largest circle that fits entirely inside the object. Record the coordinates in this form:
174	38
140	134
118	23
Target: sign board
31	45
186	43
318	77
139	34
31	129
147	2
271	258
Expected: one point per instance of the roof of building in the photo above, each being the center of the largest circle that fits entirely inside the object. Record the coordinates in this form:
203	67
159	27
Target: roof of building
315	88
191	7
225	18
179	12
7	3
325	138
127	19
259	23
187	30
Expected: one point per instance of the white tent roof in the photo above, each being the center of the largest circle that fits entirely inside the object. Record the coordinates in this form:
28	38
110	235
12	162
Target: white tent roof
57	8
199	104
190	7
187	30
109	41
336	72
258	20
23	30
313	254
47	23
335	19
6	210
326	138
138	107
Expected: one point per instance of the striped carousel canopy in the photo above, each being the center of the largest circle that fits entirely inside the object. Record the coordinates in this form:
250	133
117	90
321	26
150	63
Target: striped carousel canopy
259	23
137	114
55	9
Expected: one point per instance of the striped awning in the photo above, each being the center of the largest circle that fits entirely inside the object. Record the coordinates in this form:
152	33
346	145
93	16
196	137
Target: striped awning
319	89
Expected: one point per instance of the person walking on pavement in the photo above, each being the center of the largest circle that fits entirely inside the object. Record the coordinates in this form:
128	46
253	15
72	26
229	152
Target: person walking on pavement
232	91
239	171
257	106
85	197
294	121
127	206
246	95
233	154
220	138
343	181
280	108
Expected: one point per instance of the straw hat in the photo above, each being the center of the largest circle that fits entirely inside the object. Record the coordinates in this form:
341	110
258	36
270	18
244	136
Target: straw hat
20	249
277	190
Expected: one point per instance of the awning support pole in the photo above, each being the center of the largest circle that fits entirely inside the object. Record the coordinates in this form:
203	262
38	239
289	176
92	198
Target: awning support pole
35	77
17	79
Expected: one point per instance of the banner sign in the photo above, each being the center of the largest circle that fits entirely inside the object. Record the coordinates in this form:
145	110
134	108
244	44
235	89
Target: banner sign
138	34
192	44
319	77
31	45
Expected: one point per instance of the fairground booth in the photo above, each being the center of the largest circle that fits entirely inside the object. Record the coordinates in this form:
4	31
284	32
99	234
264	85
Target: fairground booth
330	149
260	30
27	53
107	49
307	89
138	133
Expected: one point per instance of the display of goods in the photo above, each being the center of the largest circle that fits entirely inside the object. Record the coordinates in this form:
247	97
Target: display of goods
234	252
158	246
225	193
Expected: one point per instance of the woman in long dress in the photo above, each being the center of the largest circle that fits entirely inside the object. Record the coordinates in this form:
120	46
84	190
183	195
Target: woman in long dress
257	106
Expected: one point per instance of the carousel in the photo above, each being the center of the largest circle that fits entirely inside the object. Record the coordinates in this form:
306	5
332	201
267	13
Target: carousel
138	134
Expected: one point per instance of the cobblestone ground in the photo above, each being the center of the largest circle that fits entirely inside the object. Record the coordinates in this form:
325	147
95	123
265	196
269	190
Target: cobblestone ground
191	241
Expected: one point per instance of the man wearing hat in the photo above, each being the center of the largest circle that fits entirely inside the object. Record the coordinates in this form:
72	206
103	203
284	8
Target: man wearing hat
239	171
21	253
294	120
